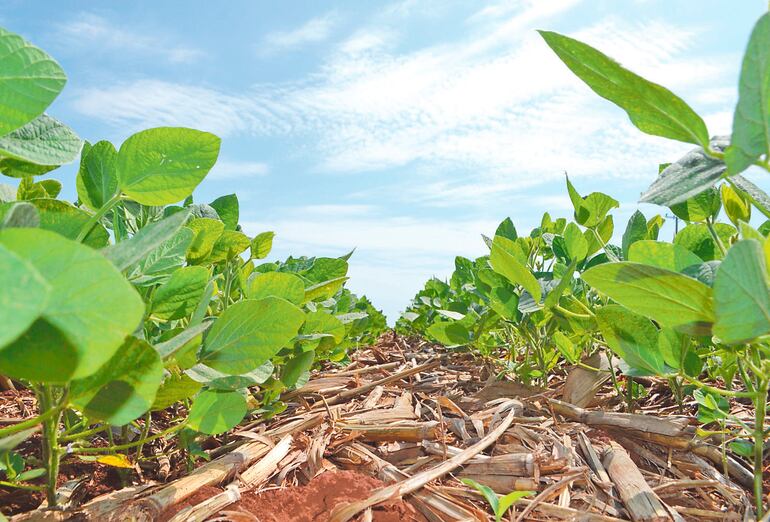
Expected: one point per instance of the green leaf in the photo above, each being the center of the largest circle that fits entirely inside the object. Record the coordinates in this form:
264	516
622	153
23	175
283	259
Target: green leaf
633	337
669	298
296	367
324	290
21	215
326	269
278	284
736	206
23	298
692	174
261	245
575	243
97	179
488	493
698	240
329	329
652	108
636	230
751	122
124	388
741	294
509	500
64	219
29	81
89	317
505	302
228	246
150	245
663	255
15	168
178	297
249	333
228	210
191	334
504	263
43	141
699	207
206	232
756	195
605	229
216	380
449	333
214	412
175	387
507	229
164	165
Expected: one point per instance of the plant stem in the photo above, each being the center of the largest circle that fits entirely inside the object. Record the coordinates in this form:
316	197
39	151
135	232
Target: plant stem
21	485
760	405
91	223
83	434
110	449
30	423
145	433
50	443
715	237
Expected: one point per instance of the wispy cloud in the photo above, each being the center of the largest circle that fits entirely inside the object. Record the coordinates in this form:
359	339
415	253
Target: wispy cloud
96	33
494	108
313	31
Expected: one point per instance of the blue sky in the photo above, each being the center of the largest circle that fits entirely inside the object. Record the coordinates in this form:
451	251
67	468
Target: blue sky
404	129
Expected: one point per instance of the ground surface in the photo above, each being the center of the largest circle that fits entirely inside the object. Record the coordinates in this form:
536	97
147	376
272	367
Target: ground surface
410	415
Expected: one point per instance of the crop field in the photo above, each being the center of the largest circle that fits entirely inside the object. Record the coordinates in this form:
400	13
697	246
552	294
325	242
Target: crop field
155	365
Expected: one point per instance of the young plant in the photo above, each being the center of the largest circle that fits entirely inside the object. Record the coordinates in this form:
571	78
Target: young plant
499	504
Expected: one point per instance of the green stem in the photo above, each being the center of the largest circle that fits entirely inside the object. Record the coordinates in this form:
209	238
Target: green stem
21	485
50	443
760	405
145	433
30	423
715	237
91	223
83	434
719	391
610	254
569	313
120	447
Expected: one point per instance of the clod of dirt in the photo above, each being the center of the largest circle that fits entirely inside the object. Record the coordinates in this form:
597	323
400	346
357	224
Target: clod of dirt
315	501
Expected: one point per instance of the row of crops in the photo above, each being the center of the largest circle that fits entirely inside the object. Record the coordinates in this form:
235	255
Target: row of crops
135	298
694	310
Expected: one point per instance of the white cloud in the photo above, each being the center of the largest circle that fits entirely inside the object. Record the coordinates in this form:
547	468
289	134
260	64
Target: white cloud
314	30
228	169
496	108
96	33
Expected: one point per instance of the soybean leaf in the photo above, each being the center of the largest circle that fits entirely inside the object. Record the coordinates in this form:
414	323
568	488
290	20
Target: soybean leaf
124	388
216	380
636	230
148	241
504	301
29	81
633	337
737	207
296	367
449	333
21	215
575	243
97	179
698	239
261	245
16	168
228	210
214	412
507	229
504	263
23	298
326	330
164	165
699	207
663	255
326	269
82	325
163	260
64	219
168	348
592	209
175	387
43	141
741	294
758	197
324	290
687	177
669	298
751	137
249	333
652	108
206	232
228	246
278	284
179	296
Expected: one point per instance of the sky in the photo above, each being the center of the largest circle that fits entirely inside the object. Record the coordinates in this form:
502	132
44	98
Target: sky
404	129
